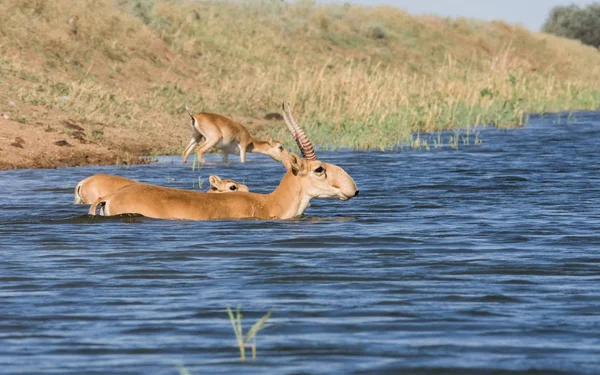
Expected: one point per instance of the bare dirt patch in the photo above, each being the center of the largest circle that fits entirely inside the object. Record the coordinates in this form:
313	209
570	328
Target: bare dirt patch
51	139
49	145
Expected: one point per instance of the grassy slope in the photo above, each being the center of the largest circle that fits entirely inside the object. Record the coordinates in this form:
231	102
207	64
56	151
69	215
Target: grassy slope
357	77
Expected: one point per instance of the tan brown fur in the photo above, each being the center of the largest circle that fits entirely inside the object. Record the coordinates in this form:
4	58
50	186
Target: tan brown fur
90	189
225	186
101	185
229	136
304	180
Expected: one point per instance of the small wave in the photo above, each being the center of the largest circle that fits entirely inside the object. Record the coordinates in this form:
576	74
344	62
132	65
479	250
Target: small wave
92	219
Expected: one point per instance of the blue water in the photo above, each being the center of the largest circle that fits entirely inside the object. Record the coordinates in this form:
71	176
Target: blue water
481	260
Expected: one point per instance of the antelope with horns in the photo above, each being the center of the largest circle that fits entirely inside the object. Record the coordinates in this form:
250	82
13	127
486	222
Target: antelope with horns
229	136
100	185
306	178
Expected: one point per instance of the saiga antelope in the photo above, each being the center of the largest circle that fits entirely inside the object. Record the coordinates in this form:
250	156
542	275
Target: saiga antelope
305	179
225	186
229	136
100	185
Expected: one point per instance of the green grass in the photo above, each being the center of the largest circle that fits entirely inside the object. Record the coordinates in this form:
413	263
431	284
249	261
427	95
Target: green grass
362	78
250	337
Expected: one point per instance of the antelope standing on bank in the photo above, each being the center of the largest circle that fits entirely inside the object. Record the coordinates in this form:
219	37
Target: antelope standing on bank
229	136
305	179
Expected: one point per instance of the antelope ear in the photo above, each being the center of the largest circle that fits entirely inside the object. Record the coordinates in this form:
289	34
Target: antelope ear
297	164
269	140
214	180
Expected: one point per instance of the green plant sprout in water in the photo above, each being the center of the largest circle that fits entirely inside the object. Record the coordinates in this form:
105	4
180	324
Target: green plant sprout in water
200	183
429	141
196	165
242	341
124	163
182	370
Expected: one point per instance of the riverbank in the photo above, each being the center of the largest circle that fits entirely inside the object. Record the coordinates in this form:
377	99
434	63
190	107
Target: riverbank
112	81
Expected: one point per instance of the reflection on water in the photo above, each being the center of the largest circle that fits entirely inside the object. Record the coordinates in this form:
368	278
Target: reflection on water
481	260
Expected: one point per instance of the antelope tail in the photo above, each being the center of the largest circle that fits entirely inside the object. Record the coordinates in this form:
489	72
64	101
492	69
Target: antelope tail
78	198
191	116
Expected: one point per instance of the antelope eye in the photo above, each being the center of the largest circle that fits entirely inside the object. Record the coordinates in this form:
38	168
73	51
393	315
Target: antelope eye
233	188
319	170
280	148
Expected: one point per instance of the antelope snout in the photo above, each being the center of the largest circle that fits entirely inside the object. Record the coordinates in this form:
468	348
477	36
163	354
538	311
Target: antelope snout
351	195
349	190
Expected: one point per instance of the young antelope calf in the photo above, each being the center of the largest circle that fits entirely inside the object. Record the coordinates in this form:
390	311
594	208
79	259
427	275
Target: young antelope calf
225	186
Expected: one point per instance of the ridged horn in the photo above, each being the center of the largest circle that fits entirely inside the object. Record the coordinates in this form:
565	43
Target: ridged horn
306	147
291	128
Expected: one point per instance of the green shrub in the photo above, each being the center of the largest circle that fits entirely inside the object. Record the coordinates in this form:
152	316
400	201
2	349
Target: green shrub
575	23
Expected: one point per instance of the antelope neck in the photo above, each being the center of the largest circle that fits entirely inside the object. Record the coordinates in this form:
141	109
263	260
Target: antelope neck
289	199
258	145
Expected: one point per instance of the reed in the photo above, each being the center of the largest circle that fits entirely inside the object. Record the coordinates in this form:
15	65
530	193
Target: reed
361	78
250	337
183	370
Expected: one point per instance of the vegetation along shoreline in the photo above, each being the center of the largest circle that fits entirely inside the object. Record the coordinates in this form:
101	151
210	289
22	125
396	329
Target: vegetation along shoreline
80	89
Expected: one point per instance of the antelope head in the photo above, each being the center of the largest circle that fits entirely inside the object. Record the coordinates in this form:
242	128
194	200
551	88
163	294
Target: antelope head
318	179
274	149
322	180
225	186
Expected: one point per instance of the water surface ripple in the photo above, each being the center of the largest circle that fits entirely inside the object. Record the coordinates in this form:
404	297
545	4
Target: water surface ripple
484	260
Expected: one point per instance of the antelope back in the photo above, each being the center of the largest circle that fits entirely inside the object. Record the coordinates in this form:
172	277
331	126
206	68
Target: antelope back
169	203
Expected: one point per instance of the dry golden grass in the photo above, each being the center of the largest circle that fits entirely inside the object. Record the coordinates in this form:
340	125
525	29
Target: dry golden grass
356	77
